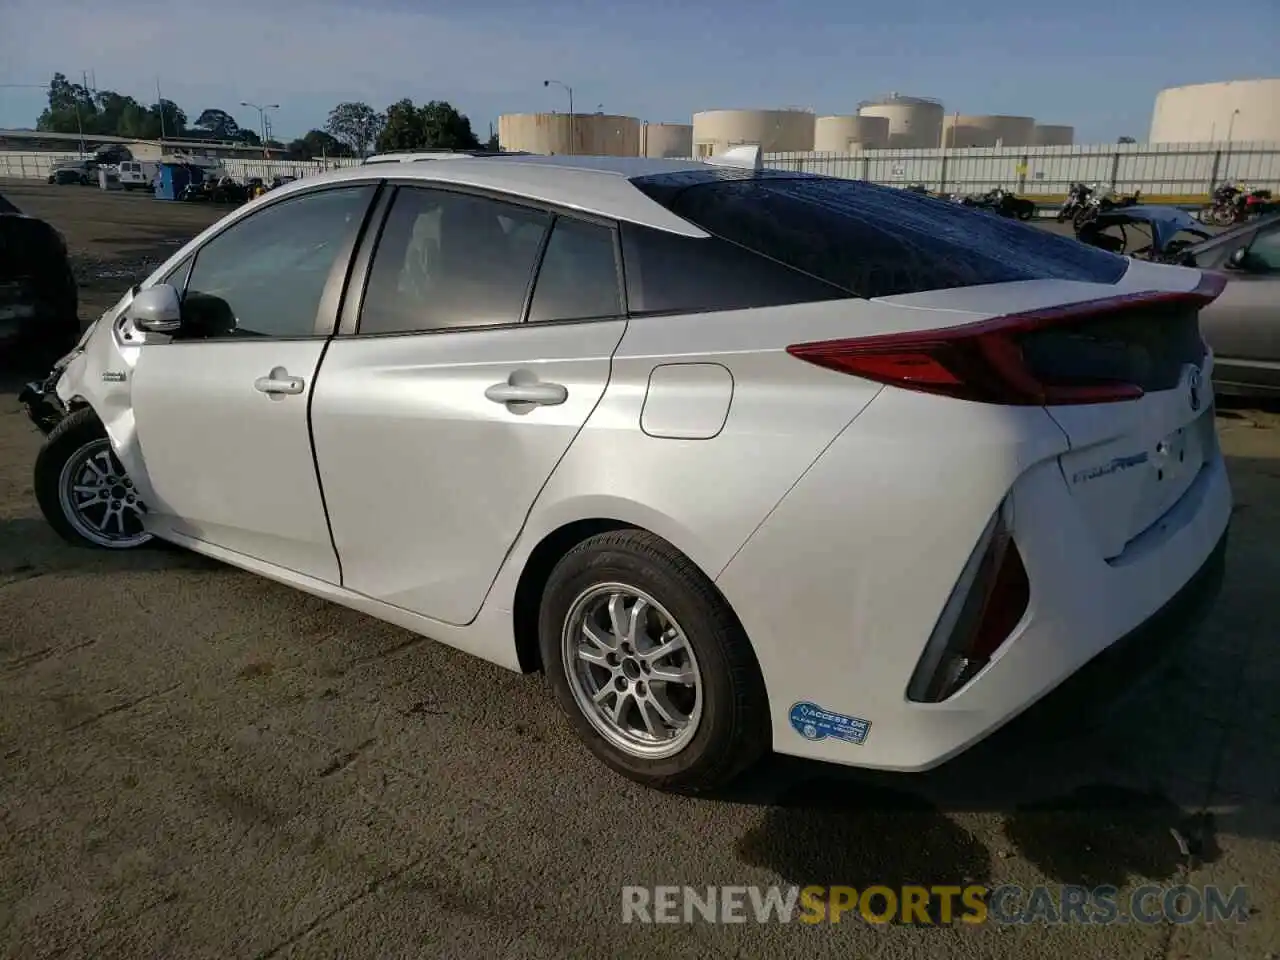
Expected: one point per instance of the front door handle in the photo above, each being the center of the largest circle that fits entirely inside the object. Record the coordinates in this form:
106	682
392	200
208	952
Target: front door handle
278	382
541	394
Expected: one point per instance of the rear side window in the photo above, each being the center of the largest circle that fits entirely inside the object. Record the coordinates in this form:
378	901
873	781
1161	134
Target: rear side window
668	273
578	278
874	241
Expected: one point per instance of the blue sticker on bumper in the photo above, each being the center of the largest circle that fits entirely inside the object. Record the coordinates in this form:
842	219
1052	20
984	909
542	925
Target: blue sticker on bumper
814	723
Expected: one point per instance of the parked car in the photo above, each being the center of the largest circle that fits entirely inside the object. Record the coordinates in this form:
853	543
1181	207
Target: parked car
82	172
741	458
38	294
1243	325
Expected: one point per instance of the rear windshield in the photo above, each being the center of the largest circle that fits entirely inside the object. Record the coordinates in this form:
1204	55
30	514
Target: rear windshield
870	240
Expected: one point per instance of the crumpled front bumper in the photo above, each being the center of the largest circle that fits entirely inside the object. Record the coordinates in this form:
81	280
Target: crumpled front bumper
41	401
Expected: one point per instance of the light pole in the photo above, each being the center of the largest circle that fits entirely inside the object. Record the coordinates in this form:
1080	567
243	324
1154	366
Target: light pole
569	90
262	121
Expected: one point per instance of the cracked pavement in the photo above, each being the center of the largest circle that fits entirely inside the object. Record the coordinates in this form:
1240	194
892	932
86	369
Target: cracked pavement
195	762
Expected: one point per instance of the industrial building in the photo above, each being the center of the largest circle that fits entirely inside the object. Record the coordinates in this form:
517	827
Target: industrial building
914	122
774	131
1052	135
666	140
850	134
963	130
591	134
1235	110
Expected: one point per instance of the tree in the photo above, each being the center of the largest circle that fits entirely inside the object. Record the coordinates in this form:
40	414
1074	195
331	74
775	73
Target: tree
170	119
436	125
316	144
220	124
355	124
1126	140
71	108
492	143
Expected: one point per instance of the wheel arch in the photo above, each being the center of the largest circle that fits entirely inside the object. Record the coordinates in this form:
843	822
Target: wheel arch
550	548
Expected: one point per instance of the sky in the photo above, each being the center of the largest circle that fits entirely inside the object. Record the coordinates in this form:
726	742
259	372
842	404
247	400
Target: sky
1094	64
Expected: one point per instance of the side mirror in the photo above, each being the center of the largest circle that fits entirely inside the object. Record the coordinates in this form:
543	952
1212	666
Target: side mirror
156	309
1239	257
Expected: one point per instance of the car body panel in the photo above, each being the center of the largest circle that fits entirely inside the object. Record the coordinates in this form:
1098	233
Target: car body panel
465	468
227	463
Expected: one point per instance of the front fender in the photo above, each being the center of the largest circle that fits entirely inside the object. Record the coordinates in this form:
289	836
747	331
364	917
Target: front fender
101	376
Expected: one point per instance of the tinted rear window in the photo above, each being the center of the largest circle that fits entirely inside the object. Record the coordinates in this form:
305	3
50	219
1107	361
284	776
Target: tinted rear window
870	240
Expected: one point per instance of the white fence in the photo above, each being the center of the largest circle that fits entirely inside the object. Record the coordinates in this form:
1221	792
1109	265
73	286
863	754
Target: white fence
1172	171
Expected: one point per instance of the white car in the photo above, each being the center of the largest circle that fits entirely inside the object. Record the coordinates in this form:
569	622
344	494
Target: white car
743	459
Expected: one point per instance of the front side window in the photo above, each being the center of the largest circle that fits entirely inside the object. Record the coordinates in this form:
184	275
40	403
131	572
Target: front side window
450	260
264	276
578	277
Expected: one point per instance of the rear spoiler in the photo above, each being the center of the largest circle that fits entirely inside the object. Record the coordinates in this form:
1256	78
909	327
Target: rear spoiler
746	158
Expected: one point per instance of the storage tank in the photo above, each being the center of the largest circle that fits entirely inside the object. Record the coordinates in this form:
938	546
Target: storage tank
774	131
1052	135
659	140
1235	110
964	130
850	134
914	122
584	134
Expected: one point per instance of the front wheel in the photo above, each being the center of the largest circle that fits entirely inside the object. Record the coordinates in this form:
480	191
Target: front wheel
83	490
650	664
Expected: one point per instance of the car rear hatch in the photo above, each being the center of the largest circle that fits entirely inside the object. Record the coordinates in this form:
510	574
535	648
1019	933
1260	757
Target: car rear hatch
1121	369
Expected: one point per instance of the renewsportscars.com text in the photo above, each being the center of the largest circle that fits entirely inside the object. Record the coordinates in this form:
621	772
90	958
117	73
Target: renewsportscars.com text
973	904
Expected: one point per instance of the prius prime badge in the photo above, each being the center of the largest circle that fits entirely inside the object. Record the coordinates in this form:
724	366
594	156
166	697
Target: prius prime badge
1193	393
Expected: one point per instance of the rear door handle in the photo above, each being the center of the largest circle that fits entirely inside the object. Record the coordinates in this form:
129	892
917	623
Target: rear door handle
542	394
278	382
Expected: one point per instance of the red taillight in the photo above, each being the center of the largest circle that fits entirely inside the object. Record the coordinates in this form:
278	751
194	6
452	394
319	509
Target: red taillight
989	600
983	361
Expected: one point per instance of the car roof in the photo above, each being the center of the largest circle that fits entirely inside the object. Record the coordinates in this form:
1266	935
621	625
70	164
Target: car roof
593	185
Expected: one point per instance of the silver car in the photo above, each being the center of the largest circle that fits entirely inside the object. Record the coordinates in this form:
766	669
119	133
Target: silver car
742	458
1243	324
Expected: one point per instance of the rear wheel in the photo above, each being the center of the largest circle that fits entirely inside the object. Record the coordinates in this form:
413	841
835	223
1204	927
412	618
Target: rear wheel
83	490
650	664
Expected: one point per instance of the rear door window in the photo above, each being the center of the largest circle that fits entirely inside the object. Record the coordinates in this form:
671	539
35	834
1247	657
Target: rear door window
578	278
870	240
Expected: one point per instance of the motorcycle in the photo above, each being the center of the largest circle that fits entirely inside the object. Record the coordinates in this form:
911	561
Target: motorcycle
1003	203
1235	203
1077	197
1101	201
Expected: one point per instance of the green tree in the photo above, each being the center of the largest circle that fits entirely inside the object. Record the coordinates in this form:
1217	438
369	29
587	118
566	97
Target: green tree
436	125
355	124
219	124
170	119
71	108
316	144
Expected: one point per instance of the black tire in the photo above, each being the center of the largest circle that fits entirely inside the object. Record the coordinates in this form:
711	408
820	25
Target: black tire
67	440
734	728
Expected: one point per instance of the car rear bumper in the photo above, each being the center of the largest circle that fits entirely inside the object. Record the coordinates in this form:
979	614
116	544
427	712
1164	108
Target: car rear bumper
842	585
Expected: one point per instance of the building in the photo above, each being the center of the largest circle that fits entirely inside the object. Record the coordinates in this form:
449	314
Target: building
962	130
38	141
773	131
850	134
582	134
1052	135
1235	110
666	140
914	122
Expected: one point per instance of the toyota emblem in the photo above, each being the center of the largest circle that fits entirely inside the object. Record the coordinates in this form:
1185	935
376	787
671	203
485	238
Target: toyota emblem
1193	394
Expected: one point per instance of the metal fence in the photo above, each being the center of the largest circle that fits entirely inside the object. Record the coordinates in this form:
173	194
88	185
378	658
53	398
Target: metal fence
1172	172
1169	171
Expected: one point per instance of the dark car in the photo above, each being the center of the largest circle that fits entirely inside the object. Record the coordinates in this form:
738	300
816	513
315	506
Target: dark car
1243	324
83	172
38	296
